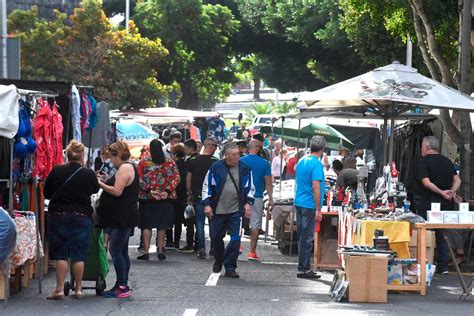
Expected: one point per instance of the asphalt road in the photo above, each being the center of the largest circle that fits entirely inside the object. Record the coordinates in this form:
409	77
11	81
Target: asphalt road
177	286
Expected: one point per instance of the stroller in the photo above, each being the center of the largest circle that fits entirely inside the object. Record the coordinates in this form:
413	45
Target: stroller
96	266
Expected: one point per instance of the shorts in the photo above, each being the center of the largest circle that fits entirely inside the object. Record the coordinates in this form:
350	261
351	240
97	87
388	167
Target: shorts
257	214
156	214
69	237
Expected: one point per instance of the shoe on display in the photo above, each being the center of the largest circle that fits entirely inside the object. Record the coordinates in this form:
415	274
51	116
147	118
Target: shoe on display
202	254
186	249
252	256
231	274
308	275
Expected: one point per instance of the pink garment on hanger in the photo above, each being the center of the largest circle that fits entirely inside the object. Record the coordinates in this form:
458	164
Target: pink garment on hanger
57	136
42	134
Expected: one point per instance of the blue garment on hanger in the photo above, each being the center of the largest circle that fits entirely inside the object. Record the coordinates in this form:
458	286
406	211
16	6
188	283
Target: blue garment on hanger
93	116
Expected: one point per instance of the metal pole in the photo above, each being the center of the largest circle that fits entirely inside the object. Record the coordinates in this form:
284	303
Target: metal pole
384	141
409	52
3	37
392	136
127	13
282	147
299	130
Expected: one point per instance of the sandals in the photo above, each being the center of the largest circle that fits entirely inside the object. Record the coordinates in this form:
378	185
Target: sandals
56	296
79	295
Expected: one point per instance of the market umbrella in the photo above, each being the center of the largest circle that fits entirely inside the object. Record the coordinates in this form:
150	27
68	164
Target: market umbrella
292	130
387	92
136	135
130	130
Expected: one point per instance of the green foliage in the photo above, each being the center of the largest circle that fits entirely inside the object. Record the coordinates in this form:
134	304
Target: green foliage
259	109
122	66
285	108
378	29
197	37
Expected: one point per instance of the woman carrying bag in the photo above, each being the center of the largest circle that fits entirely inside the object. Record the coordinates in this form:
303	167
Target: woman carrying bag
69	189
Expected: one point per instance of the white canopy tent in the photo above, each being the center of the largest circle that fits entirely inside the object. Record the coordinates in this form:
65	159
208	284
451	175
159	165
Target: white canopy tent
391	92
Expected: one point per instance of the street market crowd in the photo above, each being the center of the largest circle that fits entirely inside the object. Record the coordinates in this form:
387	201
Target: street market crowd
182	182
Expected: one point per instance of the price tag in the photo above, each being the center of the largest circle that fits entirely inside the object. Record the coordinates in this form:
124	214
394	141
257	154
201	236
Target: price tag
436	207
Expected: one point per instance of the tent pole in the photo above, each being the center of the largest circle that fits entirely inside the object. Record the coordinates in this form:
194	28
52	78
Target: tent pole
384	141
282	147
392	136
299	129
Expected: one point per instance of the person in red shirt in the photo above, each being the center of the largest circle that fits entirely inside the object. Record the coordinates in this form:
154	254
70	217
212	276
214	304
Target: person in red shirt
291	164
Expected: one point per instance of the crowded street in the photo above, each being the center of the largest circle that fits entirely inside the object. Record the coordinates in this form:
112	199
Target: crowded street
236	157
182	285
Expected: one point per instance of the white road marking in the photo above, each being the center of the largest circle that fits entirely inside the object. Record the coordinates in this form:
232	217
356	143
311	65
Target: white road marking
280	263
213	278
190	312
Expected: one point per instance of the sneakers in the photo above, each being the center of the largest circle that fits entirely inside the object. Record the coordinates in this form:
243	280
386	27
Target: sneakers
145	256
161	256
308	275
202	254
118	292
186	249
252	256
217	267
176	245
442	271
231	274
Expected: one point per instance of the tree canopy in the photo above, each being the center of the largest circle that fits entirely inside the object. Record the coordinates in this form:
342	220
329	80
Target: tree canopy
85	49
197	36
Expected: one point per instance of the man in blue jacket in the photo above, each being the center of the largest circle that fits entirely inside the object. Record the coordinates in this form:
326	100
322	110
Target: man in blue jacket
227	194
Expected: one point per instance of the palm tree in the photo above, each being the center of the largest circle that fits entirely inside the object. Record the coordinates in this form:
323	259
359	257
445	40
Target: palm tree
259	109
285	107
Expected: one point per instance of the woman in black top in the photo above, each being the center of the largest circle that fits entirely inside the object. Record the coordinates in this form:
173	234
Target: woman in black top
69	189
118	211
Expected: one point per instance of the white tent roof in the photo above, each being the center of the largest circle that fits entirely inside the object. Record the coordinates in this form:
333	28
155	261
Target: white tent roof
384	86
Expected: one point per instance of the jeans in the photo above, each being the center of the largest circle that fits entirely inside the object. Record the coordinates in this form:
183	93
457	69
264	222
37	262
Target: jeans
305	220
219	225
118	247
200	221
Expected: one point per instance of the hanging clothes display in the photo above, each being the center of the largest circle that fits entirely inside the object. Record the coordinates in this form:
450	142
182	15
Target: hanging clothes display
99	136
76	114
57	136
216	129
93	112
43	134
8	111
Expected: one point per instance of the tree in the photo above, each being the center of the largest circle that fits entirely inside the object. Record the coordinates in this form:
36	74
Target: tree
259	109
85	49
436	26
301	47
197	36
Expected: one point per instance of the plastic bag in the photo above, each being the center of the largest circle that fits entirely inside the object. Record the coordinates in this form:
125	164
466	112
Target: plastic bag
7	235
189	212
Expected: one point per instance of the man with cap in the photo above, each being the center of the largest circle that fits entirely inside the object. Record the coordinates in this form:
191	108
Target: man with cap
309	198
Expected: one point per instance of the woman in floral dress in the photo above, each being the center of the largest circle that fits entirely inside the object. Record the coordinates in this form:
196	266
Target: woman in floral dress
159	178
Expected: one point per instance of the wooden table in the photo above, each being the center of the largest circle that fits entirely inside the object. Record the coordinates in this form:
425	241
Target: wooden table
317	247
422	228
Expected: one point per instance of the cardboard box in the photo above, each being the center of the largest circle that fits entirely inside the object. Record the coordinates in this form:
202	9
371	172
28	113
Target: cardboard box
329	251
367	276
466	217
430	245
435	217
450	217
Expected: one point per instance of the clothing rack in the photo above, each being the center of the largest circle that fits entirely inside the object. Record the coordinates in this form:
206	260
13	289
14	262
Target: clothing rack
10	185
